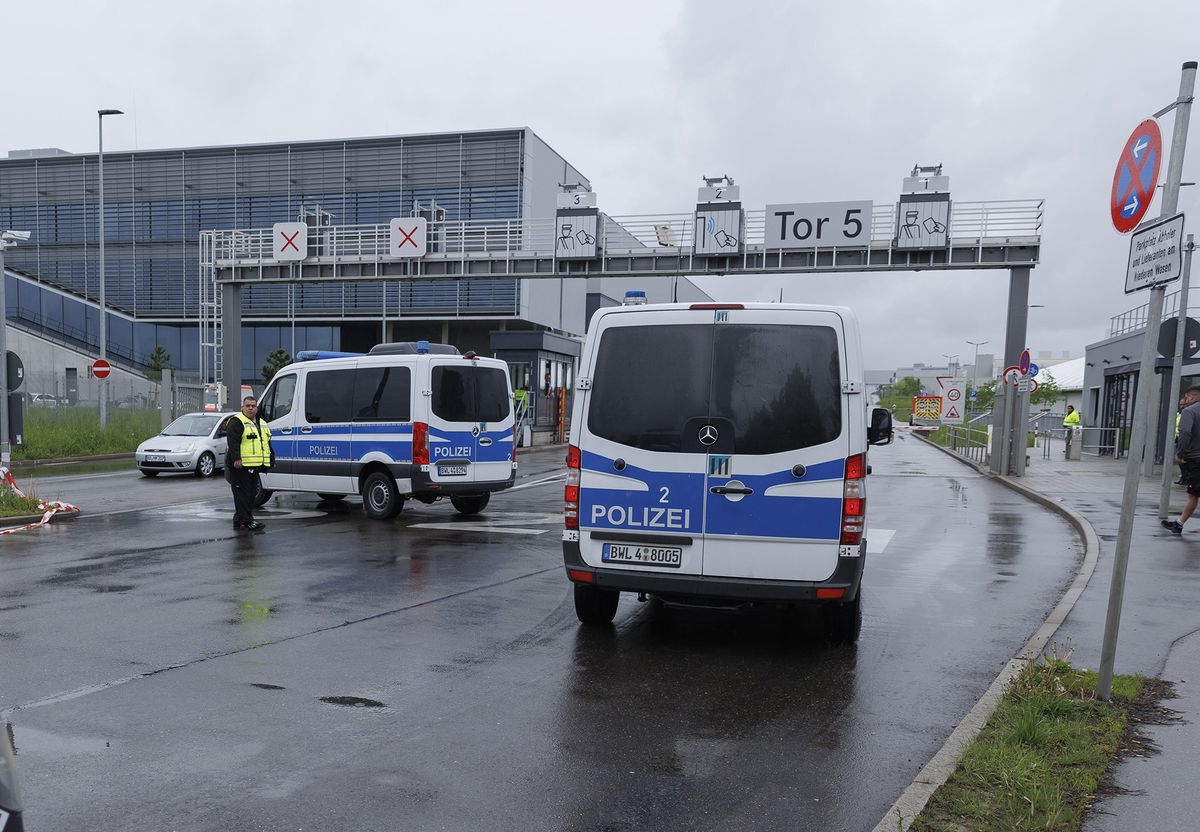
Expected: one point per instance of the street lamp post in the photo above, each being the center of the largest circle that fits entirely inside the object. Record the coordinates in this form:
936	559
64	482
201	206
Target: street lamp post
975	364
951	362
100	114
7	239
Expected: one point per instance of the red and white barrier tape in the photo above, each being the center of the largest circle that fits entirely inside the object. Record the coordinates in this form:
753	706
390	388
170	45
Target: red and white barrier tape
50	509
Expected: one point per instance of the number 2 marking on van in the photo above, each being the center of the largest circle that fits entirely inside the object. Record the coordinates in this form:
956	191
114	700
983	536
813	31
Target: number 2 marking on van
666	495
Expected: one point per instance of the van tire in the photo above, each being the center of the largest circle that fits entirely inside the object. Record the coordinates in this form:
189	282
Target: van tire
596	607
381	500
262	495
843	622
470	503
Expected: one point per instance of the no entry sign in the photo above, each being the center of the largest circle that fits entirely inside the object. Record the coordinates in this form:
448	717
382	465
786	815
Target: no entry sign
101	368
1136	176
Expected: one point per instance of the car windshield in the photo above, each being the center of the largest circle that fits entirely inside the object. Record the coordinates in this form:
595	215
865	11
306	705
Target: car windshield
193	424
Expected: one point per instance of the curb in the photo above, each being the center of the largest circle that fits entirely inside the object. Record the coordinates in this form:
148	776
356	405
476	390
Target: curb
25	519
34	463
913	799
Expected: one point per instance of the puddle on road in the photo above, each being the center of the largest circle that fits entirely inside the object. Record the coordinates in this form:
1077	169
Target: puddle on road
353	702
265	686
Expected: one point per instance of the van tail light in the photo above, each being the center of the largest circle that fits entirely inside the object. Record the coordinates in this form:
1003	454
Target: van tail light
854	499
420	443
571	494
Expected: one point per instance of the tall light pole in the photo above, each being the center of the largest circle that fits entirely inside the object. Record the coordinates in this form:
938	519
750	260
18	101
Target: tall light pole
950	362
7	239
975	363
100	114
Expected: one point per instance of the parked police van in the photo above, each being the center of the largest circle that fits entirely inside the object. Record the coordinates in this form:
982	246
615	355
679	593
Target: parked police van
406	420
718	455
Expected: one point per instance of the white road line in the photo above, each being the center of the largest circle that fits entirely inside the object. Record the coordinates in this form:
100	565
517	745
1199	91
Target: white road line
543	481
878	539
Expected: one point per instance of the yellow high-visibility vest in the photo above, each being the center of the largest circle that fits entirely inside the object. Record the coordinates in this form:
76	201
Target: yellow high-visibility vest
255	449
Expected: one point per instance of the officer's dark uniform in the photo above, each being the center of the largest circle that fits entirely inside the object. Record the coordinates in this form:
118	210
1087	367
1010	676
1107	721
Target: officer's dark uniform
249	442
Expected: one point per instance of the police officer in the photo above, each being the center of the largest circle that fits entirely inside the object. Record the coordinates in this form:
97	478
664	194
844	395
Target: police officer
249	451
1071	423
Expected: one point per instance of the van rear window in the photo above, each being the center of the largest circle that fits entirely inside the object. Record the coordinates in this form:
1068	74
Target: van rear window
470	393
779	384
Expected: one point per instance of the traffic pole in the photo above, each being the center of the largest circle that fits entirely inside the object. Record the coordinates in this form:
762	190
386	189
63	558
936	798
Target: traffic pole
1141	409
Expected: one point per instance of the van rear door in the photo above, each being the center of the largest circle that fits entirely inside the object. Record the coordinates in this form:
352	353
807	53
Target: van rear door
470	421
642	467
775	471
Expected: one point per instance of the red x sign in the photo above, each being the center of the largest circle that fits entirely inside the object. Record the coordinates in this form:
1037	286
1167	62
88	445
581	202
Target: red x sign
408	237
291	240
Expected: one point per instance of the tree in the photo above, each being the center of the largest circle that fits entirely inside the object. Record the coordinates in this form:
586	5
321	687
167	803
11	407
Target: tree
900	395
1048	391
158	360
985	396
276	361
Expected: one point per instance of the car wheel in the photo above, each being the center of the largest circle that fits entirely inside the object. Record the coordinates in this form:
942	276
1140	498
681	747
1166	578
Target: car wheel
149	473
843	622
470	503
381	500
331	498
595	607
206	465
262	495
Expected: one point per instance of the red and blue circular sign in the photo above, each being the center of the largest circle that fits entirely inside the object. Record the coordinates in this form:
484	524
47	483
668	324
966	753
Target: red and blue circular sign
1136	176
1023	364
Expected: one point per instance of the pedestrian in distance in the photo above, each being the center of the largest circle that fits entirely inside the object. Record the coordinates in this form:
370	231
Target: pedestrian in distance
1187	455
1178	416
1071	424
249	451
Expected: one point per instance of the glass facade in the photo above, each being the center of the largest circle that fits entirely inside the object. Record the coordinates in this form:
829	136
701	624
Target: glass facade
158	202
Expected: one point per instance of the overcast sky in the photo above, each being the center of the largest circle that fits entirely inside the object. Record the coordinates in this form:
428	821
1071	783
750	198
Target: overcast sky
798	101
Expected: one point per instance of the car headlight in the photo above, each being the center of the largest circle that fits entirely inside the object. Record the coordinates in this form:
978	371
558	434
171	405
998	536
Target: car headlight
188	448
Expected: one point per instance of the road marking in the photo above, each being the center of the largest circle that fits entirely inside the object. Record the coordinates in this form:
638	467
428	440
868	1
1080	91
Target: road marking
543	481
878	539
499	522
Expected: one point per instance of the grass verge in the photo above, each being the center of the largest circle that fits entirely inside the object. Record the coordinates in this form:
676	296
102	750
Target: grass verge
14	505
1042	757
57	432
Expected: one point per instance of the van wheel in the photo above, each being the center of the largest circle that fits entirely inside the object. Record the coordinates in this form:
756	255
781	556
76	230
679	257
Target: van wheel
331	498
470	503
206	464
262	495
843	622
595	607
381	500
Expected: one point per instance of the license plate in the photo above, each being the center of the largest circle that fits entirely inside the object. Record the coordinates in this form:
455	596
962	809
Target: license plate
155	458
452	470
643	555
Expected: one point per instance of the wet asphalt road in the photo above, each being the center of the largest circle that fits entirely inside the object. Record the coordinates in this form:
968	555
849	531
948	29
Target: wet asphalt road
164	673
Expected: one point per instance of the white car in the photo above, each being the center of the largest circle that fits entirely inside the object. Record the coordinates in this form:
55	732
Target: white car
195	443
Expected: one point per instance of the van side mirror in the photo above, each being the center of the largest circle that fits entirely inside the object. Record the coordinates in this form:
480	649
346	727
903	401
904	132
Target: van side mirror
879	432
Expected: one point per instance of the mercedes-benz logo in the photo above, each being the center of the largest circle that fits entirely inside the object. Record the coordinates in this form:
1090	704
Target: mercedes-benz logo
708	435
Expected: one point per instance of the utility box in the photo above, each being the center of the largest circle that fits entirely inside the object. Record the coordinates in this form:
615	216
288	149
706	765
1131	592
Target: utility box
1075	444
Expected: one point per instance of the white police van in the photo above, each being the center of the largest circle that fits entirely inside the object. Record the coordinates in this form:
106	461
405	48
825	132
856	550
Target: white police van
406	420
718	455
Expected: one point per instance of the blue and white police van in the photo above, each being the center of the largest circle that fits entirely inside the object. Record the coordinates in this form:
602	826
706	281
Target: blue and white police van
406	420
718	455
